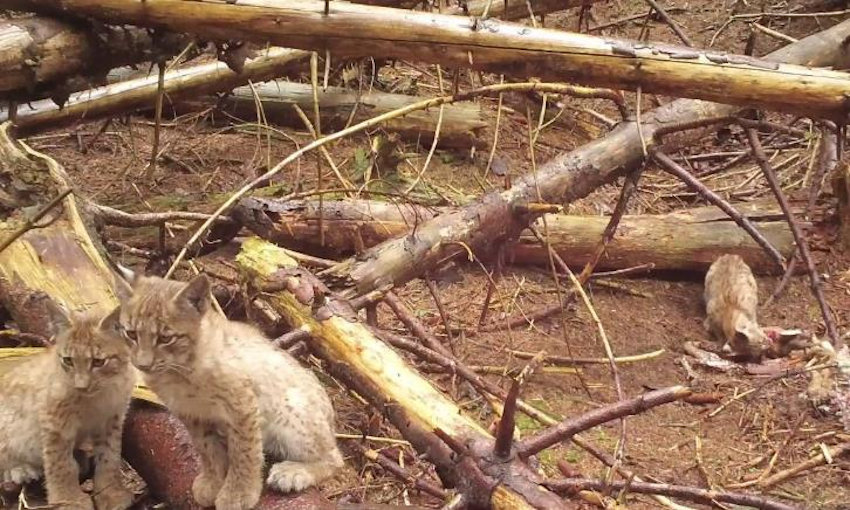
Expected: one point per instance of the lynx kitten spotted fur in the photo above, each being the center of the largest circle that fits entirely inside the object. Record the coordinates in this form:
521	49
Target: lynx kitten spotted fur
238	396
77	391
731	299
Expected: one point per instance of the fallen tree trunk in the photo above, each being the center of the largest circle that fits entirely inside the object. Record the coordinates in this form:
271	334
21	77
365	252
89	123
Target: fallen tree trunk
351	30
687	240
39	56
380	375
460	127
139	93
61	261
563	179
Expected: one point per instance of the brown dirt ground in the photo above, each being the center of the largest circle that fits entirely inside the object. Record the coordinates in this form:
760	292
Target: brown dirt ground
676	443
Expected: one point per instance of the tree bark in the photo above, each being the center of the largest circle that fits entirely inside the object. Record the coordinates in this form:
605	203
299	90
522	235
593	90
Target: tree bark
352	30
565	178
44	57
687	240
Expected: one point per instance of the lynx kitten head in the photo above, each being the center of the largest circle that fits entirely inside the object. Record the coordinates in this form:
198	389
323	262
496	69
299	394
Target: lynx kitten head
160	321
90	356
749	340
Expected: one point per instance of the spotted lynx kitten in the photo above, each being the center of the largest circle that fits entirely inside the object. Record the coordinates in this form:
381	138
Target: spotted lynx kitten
731	299
76	392
238	396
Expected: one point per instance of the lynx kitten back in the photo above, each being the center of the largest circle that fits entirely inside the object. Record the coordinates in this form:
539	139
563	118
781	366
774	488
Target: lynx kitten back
77	391
238	396
731	300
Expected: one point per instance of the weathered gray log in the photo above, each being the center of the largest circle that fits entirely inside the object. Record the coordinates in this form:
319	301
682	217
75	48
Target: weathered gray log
41	56
687	240
568	177
461	125
351	30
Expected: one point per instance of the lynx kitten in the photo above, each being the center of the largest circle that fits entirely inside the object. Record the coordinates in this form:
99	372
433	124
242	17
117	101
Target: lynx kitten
731	299
77	391
236	393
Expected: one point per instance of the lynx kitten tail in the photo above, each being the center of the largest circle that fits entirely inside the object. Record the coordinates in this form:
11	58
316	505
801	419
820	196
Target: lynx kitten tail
292	476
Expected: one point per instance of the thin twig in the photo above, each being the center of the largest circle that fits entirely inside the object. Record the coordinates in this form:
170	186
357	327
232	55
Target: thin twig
671	22
444	316
709	497
713	198
797	232
160	92
30	222
570	427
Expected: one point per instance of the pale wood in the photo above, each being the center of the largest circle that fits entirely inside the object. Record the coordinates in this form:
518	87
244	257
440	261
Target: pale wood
460	41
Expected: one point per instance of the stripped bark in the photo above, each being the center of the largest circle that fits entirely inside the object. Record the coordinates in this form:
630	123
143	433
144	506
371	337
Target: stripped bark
351	30
687	240
565	178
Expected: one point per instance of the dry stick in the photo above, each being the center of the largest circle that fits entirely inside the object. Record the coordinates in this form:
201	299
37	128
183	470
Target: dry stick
628	189
444	316
30	223
393	468
814	462
713	198
709	497
414	325
119	218
797	232
568	362
421	105
160	92
505	431
670	21
570	427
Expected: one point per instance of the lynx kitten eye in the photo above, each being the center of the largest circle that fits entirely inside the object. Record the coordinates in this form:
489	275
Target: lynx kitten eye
130	334
166	339
67	361
98	362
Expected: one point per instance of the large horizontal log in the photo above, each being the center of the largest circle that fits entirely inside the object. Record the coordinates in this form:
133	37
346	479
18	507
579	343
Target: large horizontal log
360	30
565	178
687	240
39	55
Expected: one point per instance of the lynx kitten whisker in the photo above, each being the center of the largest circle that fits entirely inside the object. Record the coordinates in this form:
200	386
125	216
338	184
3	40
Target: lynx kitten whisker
238	395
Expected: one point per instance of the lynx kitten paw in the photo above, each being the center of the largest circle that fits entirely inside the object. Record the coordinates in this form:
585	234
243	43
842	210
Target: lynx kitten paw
205	488
21	474
80	501
238	498
114	497
288	476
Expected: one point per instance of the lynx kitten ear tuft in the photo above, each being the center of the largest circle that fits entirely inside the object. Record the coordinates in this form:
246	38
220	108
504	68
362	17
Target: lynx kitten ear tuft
58	318
195	296
128	274
111	324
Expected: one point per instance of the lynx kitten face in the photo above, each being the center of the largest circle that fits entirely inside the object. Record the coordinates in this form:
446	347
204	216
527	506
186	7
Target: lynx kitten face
75	392
238	396
731	300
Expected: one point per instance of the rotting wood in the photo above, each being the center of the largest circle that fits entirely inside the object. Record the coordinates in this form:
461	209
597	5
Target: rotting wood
565	178
687	240
45	57
63	262
381	376
351	30
139	93
461	125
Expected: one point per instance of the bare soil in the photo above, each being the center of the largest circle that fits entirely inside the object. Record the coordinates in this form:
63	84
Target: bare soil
714	446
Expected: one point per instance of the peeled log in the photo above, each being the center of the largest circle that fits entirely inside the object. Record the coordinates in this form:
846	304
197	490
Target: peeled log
687	240
565	178
138	93
63	262
39	55
352	30
377	373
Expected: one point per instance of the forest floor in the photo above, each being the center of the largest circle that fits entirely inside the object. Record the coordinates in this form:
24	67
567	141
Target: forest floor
716	445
